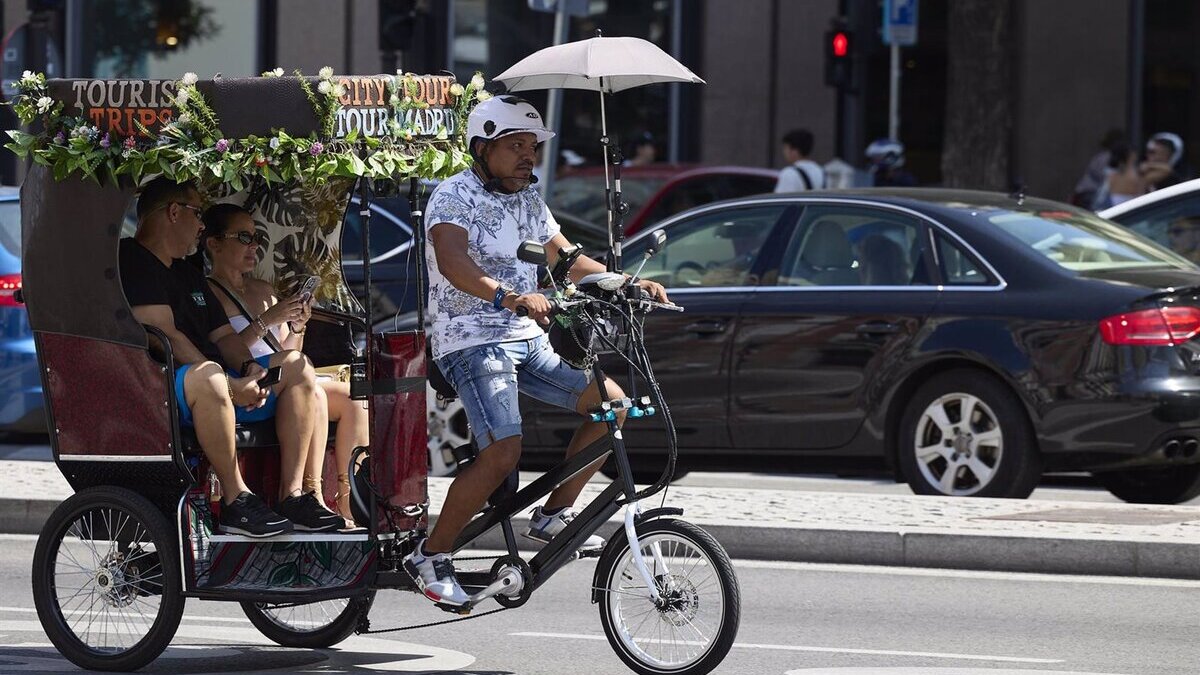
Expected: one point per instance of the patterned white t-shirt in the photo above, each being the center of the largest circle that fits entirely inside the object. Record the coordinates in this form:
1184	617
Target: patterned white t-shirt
496	224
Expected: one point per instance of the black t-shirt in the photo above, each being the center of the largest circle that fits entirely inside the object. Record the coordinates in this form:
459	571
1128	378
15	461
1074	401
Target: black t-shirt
181	286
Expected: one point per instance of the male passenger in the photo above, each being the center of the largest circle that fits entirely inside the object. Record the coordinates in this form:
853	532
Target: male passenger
171	295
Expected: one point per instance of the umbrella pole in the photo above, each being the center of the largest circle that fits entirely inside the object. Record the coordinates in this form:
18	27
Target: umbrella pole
612	190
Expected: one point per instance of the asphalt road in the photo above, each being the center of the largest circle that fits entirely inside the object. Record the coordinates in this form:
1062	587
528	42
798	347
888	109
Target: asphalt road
797	619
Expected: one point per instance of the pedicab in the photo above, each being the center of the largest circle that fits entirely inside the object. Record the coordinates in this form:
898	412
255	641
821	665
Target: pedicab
116	561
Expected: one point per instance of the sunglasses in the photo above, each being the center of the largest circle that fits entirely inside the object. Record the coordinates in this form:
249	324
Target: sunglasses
246	238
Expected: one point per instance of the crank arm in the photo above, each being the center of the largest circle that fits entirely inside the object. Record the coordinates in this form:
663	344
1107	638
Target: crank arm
509	583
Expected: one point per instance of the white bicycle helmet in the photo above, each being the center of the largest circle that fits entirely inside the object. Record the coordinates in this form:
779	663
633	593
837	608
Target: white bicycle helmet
504	115
1174	141
886	152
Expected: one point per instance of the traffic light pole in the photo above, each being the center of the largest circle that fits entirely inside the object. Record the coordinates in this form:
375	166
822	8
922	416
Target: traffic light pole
894	95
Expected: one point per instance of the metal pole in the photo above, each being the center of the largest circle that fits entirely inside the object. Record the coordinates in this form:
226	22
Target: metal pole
554	110
674	90
894	95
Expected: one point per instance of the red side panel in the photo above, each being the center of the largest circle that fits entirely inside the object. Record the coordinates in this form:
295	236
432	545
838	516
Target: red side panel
399	447
105	398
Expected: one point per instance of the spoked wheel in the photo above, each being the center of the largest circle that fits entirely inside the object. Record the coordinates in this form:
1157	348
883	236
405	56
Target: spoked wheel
106	580
693	627
314	625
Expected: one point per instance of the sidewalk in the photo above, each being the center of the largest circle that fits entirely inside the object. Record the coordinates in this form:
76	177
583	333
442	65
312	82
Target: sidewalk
974	534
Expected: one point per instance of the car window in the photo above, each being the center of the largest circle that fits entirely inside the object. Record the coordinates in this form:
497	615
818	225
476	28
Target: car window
583	195
10	237
388	233
958	268
853	246
1171	223
709	250
1078	240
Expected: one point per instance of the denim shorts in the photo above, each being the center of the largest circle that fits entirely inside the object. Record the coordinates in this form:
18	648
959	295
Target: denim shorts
488	377
266	412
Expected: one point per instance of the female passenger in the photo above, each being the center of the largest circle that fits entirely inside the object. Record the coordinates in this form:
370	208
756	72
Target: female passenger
231	243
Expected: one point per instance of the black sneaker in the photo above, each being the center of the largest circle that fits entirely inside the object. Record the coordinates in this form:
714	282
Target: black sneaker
308	514
249	516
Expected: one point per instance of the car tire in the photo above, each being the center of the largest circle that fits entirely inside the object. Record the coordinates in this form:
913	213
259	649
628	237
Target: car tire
1156	485
991	451
448	429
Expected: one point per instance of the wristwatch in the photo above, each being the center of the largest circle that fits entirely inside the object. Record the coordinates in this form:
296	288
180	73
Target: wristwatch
502	290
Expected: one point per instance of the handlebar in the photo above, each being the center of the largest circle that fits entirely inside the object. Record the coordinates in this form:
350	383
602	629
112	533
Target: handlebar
558	306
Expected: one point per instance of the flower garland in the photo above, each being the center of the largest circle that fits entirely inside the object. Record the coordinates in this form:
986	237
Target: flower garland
192	147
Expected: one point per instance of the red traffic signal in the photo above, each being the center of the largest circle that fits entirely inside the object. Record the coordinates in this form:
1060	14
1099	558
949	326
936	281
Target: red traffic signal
839	44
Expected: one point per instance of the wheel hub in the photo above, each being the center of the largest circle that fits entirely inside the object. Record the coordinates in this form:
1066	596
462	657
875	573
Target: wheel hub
680	601
963	442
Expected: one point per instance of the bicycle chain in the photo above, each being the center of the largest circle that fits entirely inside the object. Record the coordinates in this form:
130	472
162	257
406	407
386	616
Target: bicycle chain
368	631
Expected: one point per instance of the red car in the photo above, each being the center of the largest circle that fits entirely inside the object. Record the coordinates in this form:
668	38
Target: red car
656	191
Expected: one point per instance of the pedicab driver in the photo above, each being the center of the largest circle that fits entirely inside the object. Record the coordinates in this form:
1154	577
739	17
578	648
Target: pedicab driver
475	221
171	295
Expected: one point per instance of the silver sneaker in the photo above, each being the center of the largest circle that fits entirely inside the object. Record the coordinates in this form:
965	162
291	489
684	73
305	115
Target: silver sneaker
434	575
543	528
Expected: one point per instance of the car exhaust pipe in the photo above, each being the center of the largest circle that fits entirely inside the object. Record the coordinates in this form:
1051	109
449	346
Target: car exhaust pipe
1171	448
1190	447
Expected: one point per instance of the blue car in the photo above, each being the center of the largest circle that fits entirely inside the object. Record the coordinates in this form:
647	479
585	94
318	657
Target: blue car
20	387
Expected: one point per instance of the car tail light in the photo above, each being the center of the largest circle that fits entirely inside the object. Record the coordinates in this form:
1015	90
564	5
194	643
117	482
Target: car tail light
9	285
1152	327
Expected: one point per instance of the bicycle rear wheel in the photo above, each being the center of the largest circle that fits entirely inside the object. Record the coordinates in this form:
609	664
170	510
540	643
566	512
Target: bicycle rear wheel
692	628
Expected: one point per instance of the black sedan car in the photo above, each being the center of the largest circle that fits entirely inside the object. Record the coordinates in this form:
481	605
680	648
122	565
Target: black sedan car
965	341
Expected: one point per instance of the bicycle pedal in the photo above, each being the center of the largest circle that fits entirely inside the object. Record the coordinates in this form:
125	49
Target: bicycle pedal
453	609
590	552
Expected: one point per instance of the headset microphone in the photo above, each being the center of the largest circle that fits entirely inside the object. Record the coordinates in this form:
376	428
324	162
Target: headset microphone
494	184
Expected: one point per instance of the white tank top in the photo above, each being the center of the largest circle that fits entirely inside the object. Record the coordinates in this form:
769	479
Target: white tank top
260	347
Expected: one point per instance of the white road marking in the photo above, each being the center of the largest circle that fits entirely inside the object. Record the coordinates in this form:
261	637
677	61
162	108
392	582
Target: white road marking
964	574
828	650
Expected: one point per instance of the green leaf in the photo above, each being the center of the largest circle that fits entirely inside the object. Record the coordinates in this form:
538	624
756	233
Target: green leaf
286	574
356	165
351	137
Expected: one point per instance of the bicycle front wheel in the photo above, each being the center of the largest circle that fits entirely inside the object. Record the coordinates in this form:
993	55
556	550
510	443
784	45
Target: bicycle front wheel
691	629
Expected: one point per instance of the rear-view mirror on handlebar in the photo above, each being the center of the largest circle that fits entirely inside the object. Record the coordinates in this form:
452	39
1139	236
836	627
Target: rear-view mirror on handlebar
532	252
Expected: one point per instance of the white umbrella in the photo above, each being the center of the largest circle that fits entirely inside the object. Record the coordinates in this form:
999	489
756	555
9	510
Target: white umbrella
602	64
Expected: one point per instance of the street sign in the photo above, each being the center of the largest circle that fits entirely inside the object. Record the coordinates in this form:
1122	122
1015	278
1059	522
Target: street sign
571	7
900	22
13	61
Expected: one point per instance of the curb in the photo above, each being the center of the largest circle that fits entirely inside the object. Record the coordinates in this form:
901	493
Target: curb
945	550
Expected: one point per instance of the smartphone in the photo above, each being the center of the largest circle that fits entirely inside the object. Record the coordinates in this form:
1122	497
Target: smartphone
308	286
271	378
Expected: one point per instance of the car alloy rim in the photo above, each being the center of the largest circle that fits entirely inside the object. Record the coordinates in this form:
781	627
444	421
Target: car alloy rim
958	444
448	429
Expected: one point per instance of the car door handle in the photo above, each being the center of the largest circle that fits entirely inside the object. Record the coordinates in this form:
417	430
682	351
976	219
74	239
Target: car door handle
706	327
878	328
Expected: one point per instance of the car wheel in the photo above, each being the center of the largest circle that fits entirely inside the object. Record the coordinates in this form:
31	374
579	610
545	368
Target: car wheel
448	429
966	434
1165	485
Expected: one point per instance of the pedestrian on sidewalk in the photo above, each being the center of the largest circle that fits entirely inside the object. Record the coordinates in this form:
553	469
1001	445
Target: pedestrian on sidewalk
1123	179
1163	165
801	173
886	157
1097	169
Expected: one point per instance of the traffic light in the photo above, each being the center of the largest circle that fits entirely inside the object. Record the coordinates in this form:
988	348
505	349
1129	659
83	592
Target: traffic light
838	43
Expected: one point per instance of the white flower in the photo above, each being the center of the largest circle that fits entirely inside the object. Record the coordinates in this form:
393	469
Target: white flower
456	89
184	119
189	78
394	100
339	91
44	104
27	76
482	95
325	73
325	87
477	81
181	96
278	72
274	143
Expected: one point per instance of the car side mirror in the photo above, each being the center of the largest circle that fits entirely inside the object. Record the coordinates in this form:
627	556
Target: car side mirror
532	252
